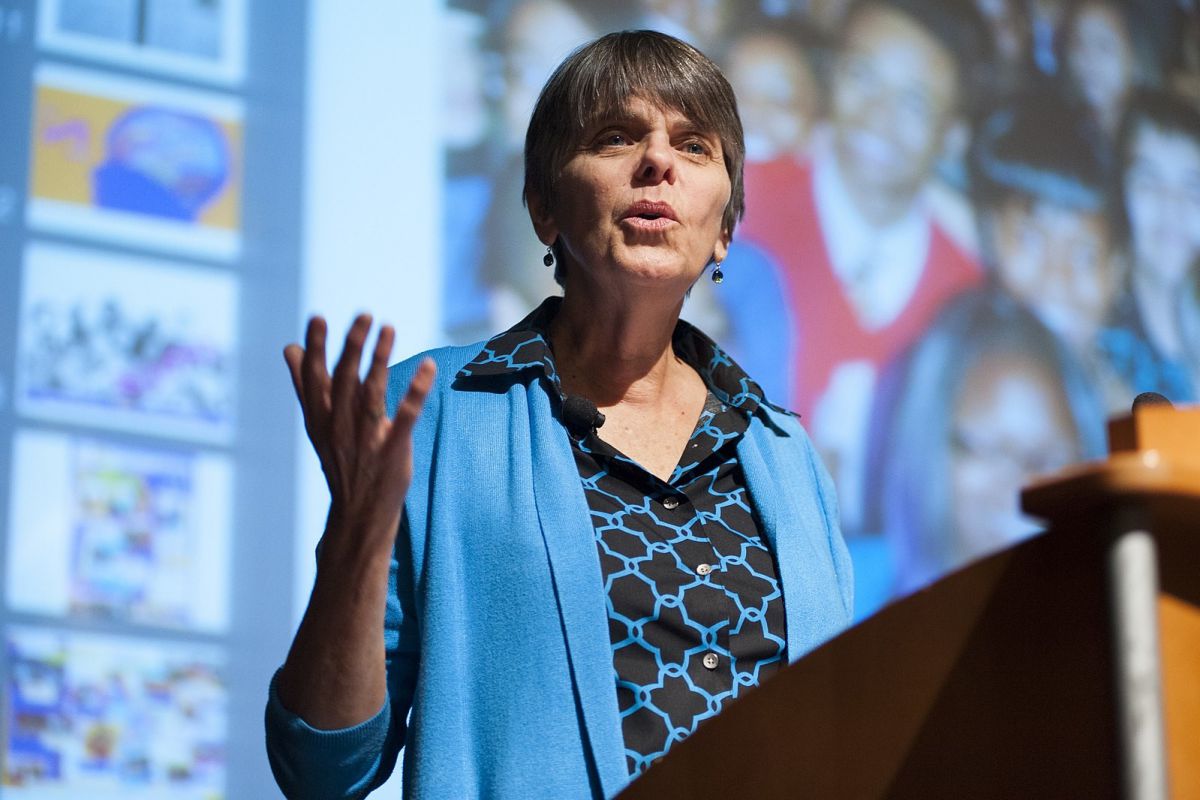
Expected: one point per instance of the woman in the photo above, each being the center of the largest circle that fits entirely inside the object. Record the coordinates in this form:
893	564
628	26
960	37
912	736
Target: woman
561	604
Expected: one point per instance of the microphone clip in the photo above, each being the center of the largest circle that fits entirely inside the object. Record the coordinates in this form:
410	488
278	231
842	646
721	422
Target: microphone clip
580	416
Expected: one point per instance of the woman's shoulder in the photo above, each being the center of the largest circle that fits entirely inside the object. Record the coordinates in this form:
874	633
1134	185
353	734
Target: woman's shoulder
448	360
451	357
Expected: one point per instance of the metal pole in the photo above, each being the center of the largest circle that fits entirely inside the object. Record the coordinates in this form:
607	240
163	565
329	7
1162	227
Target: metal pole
1133	584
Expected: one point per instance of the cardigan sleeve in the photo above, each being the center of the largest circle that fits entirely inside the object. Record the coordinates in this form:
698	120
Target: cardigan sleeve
348	763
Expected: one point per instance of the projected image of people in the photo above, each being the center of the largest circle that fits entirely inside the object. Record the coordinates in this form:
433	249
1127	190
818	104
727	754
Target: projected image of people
1100	59
1042	176
772	71
867	262
1159	162
985	401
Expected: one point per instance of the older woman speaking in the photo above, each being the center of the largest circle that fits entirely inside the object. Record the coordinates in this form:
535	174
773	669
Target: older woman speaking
553	560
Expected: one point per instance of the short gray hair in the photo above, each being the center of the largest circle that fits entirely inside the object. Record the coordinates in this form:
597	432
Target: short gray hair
604	75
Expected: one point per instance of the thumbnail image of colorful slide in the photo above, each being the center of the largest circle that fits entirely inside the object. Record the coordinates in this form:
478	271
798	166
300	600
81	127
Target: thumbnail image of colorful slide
103	530
139	163
107	717
139	345
202	39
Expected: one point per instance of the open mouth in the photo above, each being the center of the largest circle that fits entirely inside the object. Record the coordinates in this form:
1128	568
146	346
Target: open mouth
651	211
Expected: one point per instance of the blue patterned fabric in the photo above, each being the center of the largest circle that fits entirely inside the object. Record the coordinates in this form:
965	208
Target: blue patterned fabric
695	611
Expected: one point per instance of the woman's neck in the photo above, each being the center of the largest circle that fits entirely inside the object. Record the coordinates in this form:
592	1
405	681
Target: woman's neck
615	351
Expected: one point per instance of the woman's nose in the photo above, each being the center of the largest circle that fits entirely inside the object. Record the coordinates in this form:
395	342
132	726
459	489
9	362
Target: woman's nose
658	161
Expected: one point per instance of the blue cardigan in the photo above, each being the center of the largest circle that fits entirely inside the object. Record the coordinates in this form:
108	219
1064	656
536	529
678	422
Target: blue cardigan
496	630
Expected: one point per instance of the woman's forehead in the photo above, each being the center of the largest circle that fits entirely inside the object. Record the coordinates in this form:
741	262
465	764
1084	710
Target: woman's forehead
639	107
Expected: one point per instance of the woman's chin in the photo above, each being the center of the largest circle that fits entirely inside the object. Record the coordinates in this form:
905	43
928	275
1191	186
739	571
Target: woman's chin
658	274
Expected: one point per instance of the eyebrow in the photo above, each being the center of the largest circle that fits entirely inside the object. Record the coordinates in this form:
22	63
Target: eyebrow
628	114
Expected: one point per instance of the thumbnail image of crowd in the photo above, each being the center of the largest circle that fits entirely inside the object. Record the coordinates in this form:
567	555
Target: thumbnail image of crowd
102	718
972	232
125	338
105	356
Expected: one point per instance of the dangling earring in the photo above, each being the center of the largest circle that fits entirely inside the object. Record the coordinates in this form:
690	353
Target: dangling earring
548	259
717	275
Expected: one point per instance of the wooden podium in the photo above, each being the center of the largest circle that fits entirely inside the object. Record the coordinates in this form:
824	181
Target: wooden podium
1067	666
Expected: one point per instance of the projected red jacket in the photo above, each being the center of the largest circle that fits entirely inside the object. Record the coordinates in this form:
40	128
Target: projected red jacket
781	215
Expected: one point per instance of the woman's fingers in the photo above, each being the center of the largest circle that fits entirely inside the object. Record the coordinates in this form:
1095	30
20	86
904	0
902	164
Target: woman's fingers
293	355
342	413
374	386
344	389
345	372
314	376
410	407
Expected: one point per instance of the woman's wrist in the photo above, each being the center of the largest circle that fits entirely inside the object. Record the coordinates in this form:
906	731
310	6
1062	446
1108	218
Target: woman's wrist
357	538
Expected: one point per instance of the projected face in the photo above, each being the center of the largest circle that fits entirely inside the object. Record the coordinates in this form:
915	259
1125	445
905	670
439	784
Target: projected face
893	99
1162	199
539	35
825	16
1099	61
1010	424
701	22
777	94
1057	262
1009	29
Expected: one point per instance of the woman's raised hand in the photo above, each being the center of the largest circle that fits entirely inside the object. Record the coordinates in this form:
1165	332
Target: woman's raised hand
366	457
334	676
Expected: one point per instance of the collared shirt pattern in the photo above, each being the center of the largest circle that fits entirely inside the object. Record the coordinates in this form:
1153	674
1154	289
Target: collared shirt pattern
695	610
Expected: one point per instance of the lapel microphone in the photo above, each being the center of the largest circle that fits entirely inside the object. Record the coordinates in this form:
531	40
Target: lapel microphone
580	415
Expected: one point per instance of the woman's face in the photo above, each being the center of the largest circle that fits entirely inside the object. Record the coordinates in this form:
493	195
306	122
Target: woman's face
1010	424
1162	199
1100	60
641	202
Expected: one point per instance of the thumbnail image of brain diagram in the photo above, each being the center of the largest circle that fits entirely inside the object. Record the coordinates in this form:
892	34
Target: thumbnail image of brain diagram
136	162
